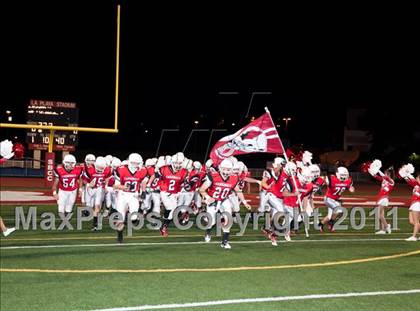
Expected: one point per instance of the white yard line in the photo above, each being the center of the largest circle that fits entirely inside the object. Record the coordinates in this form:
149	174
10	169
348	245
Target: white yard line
192	243
258	300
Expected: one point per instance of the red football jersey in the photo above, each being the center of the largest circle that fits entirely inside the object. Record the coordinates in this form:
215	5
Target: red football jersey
242	177
270	176
155	183
220	188
171	181
90	175
336	187
277	187
68	180
387	185
317	184
416	189
84	167
130	180
303	190
111	181
195	179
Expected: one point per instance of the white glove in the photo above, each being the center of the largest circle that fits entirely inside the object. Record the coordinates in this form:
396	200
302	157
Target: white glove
6	149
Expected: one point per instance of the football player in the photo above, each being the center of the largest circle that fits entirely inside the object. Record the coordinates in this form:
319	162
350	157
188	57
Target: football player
215	191
186	194
111	194
296	192
196	179
95	178
244	176
275	196
67	180
318	182
269	177
171	178
89	161
129	180
336	185
148	194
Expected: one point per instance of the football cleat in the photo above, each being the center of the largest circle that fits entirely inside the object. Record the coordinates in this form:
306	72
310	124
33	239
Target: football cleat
331	227
226	245
287	237
185	217
267	233
8	231
119	236
207	238
164	231
273	239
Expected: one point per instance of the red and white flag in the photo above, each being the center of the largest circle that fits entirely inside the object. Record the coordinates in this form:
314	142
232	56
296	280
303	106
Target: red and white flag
258	136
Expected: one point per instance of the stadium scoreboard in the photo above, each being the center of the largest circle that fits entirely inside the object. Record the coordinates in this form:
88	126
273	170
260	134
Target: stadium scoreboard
44	112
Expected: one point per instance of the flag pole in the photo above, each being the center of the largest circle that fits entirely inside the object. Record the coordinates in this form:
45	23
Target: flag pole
293	179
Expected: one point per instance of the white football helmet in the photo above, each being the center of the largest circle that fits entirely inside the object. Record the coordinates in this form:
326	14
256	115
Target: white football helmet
160	162
342	173
108	159
135	162
307	158
197	165
90	159
290	168
168	160
177	160
278	162
238	167
115	163
315	170
226	168
100	164
187	164
148	163
209	163
154	161
69	162
305	176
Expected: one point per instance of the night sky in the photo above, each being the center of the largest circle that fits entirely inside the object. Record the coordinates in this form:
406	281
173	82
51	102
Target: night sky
174	64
